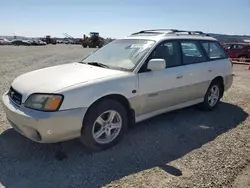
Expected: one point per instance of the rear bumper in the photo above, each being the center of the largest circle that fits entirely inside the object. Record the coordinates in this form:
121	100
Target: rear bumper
228	81
44	127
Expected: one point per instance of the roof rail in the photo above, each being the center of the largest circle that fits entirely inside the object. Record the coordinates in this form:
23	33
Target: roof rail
190	32
160	31
169	31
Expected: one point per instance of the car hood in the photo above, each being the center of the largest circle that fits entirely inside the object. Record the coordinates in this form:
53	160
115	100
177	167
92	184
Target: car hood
52	79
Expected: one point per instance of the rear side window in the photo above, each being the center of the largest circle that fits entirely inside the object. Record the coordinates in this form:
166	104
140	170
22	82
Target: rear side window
214	50
191	53
237	46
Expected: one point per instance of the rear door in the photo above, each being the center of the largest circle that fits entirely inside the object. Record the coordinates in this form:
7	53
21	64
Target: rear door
218	63
196	70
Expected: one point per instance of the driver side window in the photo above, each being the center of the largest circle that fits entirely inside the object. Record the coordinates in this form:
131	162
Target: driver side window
169	51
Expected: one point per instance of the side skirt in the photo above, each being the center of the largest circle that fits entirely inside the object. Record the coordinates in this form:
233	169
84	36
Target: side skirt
143	117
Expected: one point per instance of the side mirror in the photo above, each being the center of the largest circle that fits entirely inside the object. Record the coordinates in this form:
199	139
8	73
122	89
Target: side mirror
156	64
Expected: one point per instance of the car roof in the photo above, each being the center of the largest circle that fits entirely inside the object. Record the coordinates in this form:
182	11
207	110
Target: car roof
168	34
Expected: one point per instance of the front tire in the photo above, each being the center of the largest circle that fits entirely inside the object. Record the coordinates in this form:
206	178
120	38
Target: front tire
104	125
212	97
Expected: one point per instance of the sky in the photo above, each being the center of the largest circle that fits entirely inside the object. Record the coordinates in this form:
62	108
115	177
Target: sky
119	18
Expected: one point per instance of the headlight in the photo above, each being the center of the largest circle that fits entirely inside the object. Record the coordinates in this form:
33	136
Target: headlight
44	102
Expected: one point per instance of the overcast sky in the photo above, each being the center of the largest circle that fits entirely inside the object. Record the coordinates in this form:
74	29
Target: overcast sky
119	18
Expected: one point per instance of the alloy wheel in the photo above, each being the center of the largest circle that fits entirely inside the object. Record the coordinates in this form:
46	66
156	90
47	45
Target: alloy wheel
107	127
214	95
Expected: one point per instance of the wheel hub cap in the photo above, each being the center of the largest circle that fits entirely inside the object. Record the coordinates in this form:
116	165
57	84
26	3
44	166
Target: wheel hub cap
213	96
107	127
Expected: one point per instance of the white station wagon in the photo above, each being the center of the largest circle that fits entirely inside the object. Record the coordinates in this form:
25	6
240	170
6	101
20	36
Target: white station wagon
128	80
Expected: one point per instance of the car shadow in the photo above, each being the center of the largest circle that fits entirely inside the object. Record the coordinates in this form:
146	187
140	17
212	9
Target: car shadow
152	143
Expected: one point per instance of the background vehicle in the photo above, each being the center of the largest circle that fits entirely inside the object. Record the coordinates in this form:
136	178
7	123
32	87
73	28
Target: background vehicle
49	40
93	41
238	50
59	41
19	42
69	41
5	41
37	42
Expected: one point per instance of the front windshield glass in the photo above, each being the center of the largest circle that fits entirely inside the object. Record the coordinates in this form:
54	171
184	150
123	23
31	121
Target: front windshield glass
121	54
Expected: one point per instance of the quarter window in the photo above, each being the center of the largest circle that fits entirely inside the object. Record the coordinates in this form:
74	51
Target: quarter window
214	50
191	53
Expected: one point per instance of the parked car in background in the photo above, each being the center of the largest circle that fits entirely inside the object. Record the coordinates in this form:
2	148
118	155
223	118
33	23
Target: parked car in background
19	42
37	42
68	41
59	42
5	41
238	50
128	80
42	42
29	41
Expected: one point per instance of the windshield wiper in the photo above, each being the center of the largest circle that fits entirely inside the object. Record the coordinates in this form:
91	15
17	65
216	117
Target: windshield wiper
94	63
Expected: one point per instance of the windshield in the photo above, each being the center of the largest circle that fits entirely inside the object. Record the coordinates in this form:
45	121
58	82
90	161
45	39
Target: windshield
121	54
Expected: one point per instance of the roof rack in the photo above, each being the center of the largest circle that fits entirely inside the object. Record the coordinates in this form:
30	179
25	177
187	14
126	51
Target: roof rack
169	31
154	31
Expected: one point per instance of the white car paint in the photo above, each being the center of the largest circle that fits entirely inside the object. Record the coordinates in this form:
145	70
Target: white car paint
52	79
86	94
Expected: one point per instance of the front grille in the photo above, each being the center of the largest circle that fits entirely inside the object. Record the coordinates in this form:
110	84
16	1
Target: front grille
15	96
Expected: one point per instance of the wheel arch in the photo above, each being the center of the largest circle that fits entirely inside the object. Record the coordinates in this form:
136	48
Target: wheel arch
220	80
122	100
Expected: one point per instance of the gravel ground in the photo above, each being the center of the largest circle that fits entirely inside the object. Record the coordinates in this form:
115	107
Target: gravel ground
185	148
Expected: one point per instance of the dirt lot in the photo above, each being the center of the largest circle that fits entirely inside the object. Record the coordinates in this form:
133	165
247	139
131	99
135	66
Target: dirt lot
185	148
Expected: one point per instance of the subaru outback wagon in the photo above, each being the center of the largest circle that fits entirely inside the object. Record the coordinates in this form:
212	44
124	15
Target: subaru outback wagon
128	80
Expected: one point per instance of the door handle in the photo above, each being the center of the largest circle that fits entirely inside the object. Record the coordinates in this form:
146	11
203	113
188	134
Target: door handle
210	70
179	76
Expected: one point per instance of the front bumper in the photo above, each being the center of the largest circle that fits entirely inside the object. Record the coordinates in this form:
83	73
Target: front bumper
44	127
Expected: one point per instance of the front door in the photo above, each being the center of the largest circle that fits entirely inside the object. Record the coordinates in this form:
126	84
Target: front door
163	88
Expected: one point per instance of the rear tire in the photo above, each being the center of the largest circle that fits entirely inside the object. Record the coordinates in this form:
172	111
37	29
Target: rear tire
104	125
243	58
212	96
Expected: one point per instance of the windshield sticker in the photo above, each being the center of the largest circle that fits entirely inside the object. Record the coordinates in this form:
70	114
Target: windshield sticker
138	45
